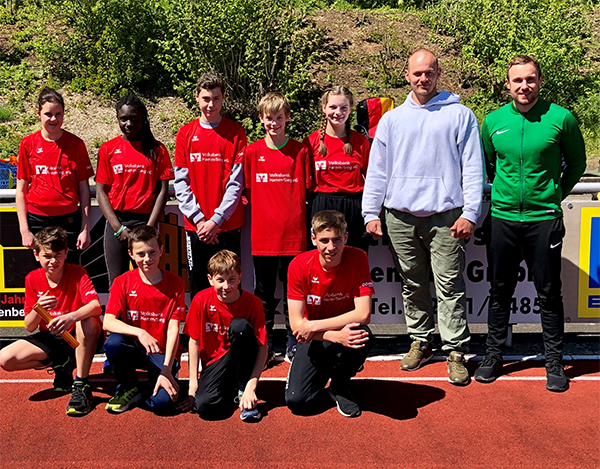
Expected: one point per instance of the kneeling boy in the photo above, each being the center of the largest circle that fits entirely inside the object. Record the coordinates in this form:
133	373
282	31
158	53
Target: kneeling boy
227	333
143	314
329	302
66	292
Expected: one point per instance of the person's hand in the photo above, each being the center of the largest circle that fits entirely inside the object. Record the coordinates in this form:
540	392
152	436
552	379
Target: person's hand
149	342
124	236
48	302
27	239
248	400
374	228
61	324
304	332
208	232
167	382
462	228
83	240
352	337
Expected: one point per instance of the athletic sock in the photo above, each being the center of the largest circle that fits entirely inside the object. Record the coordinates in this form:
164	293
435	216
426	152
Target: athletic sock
82	380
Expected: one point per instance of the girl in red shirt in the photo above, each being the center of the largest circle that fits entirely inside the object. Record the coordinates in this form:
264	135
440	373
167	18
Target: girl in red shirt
339	163
52	178
132	181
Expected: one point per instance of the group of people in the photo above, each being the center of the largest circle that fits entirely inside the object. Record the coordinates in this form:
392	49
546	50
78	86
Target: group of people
421	181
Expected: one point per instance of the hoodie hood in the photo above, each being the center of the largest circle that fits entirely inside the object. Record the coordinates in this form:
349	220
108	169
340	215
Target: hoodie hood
443	98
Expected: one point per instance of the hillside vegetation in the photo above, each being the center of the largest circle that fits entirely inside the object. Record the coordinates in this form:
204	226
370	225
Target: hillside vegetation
97	50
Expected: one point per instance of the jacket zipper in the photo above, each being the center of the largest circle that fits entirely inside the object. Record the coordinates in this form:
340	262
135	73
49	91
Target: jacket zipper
521	168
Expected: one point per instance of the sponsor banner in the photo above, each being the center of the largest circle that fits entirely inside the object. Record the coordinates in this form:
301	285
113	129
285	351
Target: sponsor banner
589	263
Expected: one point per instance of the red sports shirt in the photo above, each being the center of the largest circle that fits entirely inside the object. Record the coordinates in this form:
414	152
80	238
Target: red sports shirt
148	307
278	180
209	156
131	175
53	171
74	290
338	171
329	294
209	319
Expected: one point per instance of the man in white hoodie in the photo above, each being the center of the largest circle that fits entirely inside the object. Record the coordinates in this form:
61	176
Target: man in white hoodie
426	173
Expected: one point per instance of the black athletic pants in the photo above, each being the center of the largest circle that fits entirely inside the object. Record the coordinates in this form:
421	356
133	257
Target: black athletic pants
316	362
267	269
70	222
116	253
220	381
539	244
199	253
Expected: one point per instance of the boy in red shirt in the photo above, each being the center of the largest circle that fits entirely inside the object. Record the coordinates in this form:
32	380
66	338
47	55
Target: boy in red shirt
143	314
227	333
209	154
329	300
66	292
277	176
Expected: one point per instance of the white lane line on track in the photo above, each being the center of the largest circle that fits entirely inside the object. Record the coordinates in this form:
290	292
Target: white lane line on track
376	378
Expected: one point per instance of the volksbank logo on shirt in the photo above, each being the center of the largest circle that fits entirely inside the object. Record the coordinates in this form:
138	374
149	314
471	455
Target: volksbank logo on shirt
133	315
118	168
213	327
321	165
313	300
41	169
262	177
589	263
195	157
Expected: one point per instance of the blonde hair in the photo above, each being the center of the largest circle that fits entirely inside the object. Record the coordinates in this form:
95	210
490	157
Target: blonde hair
224	261
272	103
338	90
328	219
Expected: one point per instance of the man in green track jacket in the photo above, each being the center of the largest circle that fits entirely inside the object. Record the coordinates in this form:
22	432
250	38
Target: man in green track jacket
535	154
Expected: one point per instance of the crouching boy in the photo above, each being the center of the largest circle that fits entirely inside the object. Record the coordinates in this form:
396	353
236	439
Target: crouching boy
228	337
143	314
329	301
66	292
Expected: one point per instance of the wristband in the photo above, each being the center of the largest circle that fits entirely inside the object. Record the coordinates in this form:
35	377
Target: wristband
117	233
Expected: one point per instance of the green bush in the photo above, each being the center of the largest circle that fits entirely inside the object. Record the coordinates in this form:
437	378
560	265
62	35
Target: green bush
488	33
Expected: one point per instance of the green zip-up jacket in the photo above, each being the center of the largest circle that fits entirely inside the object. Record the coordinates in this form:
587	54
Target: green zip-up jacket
533	160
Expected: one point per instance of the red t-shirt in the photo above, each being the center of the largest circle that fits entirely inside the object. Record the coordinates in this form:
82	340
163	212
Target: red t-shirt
74	290
148	307
278	180
209	319
53	171
209	156
131	175
329	294
338	171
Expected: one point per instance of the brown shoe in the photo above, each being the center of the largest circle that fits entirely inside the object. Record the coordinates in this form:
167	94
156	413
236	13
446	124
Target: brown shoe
419	353
457	373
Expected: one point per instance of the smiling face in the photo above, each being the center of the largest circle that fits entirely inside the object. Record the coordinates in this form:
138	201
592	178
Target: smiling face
210	103
330	244
523	83
226	285
337	110
52	262
146	255
275	124
422	74
51	115
130	121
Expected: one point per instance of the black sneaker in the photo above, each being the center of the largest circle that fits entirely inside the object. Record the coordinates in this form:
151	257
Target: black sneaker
81	400
556	381
345	402
63	375
271	360
489	370
289	355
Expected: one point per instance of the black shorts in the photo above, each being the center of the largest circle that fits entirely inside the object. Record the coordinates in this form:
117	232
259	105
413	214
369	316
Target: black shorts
52	345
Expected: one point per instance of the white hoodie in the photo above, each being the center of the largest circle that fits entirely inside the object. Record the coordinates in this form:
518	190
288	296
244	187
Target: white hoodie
426	159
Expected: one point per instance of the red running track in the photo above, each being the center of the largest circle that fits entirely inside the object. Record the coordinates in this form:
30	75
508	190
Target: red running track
410	420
